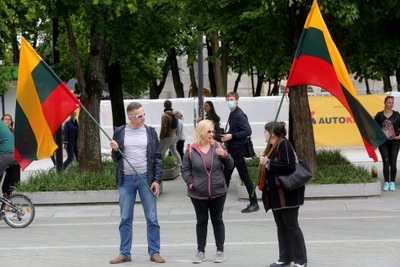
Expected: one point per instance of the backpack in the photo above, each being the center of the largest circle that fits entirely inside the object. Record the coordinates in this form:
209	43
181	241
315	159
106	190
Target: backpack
174	122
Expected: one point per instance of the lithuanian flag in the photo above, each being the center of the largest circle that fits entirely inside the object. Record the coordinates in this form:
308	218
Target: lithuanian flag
318	62
43	104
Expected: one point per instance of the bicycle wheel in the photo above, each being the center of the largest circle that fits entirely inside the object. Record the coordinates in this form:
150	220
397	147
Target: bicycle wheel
22	214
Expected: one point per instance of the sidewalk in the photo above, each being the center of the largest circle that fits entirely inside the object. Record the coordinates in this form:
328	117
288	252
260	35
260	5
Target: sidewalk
343	232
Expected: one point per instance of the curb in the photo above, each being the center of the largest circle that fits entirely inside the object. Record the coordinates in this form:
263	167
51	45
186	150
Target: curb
111	196
73	197
331	191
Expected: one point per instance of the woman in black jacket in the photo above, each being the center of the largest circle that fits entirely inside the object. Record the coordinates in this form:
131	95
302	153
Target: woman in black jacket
280	159
389	121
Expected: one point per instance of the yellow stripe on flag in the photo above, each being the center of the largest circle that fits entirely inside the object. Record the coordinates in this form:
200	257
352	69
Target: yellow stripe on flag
29	101
315	20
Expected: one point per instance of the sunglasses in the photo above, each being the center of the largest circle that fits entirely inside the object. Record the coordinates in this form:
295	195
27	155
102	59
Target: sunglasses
137	116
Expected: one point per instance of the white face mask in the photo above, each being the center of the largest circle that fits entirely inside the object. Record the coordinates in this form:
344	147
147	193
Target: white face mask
230	104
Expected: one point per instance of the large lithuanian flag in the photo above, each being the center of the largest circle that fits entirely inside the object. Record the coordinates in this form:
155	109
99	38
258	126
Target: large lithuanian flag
43	104
318	62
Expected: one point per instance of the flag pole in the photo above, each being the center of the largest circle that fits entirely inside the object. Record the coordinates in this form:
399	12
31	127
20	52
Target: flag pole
119	150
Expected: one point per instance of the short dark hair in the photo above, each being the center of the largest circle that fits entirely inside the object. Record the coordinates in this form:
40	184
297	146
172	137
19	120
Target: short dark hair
133	106
167	104
388	97
234	94
279	129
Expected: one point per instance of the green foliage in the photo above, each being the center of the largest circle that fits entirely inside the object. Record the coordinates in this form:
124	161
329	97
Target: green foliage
169	162
334	168
253	161
71	180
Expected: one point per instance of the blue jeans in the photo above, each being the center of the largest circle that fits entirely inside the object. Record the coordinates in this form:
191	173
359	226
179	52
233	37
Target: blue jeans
127	195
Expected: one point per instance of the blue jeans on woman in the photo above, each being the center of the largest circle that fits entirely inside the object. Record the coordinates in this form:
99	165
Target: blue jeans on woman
127	195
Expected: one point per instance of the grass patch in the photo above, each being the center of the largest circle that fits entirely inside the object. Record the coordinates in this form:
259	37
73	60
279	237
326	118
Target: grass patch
70	180
334	168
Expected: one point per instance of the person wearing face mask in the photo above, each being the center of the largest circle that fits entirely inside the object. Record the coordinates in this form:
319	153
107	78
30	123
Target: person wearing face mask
238	129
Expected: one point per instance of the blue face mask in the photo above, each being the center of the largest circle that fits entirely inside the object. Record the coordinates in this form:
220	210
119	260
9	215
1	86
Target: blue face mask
230	104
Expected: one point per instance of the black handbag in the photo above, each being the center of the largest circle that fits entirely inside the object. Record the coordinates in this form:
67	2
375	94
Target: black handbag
298	178
249	148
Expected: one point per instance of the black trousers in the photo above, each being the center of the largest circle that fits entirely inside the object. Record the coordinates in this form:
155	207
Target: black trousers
216	208
13	177
389	151
179	146
237	154
290	237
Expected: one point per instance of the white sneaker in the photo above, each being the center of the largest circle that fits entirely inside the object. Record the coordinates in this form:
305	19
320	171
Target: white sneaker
219	257
199	257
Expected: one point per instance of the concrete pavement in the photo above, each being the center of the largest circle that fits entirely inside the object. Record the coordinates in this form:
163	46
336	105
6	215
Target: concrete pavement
338	232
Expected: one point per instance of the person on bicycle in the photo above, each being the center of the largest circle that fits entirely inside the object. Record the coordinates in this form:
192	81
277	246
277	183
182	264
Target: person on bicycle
6	148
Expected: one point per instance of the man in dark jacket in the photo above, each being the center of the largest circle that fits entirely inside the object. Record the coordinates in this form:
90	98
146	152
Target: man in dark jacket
141	148
235	139
70	139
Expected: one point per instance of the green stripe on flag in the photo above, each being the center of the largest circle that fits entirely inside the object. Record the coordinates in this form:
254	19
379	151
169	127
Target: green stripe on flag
312	43
45	80
27	143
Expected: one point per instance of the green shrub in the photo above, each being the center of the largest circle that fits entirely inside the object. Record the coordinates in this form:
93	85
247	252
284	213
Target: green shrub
334	168
169	162
70	180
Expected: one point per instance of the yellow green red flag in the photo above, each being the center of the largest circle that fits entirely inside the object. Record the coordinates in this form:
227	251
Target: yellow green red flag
43	104
318	62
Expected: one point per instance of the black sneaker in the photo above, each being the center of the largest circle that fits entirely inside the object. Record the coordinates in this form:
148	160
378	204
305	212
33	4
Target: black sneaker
280	264
251	208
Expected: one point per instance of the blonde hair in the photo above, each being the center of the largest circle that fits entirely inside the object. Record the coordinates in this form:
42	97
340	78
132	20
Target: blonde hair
201	130
178	114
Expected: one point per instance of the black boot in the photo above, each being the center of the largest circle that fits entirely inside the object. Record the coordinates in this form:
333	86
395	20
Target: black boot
251	208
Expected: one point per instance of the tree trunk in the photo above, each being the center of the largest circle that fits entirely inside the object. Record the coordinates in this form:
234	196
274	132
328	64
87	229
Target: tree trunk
367	86
211	76
260	81
193	84
224	65
176	78
89	154
275	89
237	81
217	65
156	89
252	81
301	133
116	94
387	87
15	49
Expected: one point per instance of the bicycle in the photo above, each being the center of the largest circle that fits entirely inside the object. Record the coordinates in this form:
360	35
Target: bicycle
17	210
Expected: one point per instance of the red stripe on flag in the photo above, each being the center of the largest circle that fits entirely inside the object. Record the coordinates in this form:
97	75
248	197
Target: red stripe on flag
23	163
58	106
315	71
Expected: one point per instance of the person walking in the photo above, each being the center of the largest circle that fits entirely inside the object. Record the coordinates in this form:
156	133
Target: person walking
70	139
235	139
280	159
169	124
13	173
180	135
389	120
212	116
140	145
202	172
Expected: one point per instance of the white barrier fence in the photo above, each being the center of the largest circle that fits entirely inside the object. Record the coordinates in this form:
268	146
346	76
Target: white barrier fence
259	110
